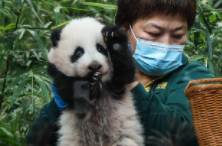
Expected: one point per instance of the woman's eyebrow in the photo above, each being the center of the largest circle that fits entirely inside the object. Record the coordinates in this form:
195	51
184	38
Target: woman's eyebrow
156	26
179	28
161	28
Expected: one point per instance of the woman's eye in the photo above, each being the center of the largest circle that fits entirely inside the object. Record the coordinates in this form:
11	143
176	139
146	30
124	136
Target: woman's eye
177	36
154	34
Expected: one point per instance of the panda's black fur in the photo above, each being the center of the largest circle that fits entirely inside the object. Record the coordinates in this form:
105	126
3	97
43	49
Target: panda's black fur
115	121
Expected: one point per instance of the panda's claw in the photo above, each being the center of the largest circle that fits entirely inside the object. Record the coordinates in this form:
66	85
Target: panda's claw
112	34
95	79
97	74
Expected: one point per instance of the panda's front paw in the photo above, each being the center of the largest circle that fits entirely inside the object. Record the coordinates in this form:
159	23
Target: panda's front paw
95	86
114	37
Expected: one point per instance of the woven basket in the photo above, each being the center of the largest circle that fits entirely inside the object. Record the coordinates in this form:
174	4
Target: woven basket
205	98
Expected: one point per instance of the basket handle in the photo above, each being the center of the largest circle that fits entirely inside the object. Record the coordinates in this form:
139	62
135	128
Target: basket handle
200	81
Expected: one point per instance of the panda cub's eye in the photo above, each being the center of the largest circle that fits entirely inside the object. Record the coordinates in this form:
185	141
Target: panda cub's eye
77	54
101	49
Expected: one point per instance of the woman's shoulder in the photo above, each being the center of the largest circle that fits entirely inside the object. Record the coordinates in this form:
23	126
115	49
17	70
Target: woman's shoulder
195	67
192	71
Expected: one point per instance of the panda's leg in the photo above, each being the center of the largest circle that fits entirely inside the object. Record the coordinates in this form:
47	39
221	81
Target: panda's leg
123	66
68	134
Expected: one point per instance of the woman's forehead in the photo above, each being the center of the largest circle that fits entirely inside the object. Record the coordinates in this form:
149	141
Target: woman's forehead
162	21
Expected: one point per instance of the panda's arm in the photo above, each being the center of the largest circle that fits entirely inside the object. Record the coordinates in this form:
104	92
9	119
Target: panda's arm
121	57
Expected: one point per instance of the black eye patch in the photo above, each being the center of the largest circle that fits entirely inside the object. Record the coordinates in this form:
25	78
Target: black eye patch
77	54
101	49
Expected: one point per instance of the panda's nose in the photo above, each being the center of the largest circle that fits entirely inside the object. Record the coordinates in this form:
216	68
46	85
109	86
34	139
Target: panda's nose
94	67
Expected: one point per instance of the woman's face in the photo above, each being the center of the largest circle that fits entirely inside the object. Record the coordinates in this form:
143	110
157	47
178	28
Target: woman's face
166	29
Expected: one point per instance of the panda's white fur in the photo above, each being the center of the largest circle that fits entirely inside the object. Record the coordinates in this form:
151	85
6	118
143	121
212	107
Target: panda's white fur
116	122
120	123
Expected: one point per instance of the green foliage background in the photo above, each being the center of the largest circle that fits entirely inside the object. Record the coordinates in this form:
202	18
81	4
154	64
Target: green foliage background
25	27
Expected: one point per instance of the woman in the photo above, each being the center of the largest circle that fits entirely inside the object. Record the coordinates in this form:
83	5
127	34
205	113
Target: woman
154	27
157	32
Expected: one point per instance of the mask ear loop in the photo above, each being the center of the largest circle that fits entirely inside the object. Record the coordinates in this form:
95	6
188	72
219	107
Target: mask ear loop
132	32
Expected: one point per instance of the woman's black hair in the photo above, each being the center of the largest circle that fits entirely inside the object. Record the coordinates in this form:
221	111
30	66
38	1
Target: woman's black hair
131	10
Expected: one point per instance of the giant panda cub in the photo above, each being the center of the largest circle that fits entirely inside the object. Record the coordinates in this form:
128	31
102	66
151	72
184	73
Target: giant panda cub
86	50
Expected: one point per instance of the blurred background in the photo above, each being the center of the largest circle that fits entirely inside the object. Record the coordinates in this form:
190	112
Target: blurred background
25	27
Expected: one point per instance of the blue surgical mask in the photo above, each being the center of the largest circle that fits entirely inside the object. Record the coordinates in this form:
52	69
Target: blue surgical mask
157	59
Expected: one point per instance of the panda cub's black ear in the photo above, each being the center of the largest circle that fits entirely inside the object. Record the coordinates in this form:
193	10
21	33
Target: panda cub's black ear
55	36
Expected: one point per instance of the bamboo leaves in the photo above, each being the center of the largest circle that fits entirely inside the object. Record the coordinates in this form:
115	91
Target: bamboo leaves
6	137
39	42
99	5
218	3
30	3
43	88
17	91
206	36
209	44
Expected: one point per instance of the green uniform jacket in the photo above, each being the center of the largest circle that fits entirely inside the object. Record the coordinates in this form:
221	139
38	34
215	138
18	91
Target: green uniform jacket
163	108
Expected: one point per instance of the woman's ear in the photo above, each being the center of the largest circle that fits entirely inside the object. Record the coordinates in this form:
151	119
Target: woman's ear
125	26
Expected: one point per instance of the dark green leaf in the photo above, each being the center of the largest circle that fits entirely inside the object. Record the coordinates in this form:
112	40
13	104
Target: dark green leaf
43	88
57	15
47	24
15	126
40	43
218	29
22	33
218	3
201	15
5	12
199	57
57	26
5	132
209	44
210	2
49	3
13	83
220	58
197	34
30	2
99	4
77	9
18	90
213	67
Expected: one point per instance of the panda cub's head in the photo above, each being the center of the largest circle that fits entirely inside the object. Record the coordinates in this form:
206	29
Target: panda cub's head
79	50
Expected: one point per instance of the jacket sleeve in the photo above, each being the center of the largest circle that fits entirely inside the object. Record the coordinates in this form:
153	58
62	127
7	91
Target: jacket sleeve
169	115
42	132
